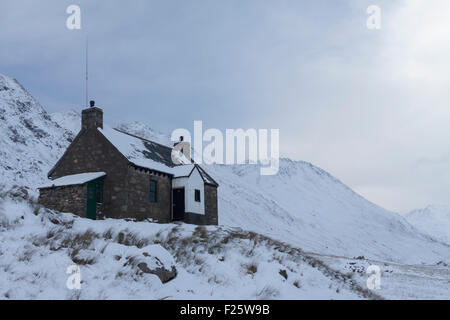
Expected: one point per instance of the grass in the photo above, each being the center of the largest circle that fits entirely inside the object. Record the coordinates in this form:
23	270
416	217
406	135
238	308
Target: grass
283	273
186	248
251	268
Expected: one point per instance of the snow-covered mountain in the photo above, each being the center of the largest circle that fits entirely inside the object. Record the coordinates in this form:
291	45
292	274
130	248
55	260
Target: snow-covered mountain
303	206
30	141
144	131
433	220
69	120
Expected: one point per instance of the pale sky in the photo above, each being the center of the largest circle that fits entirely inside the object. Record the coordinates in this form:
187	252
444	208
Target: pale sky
372	107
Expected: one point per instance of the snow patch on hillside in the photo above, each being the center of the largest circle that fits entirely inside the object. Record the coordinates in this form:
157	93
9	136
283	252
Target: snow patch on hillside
433	220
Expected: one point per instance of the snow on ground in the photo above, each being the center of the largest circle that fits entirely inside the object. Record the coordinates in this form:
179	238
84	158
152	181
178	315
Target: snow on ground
38	246
397	281
433	220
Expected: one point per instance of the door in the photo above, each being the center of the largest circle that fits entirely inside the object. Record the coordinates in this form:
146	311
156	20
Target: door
178	204
91	206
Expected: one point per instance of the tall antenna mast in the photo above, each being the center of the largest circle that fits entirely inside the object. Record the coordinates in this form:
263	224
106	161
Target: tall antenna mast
87	64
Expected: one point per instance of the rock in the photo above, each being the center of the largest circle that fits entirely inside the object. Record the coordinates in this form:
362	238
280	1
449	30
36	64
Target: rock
163	274
151	259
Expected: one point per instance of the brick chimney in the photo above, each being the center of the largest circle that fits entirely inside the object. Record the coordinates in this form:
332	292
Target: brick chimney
92	117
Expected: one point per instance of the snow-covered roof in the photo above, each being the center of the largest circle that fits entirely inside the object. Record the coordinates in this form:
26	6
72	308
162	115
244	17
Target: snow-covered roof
206	177
182	171
74	179
147	154
186	171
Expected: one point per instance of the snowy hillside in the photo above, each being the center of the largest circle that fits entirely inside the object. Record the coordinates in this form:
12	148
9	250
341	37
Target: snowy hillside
115	258
69	120
309	208
432	220
30	142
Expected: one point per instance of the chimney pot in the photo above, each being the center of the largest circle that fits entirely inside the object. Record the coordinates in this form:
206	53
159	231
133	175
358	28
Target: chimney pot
92	117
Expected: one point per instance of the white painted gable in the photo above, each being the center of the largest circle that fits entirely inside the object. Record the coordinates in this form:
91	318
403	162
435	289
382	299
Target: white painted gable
190	184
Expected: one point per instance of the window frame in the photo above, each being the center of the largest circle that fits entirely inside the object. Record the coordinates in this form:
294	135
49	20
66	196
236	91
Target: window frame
197	192
153	194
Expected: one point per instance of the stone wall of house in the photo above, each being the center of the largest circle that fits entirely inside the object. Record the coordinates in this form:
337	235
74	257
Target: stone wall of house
211	211
71	199
139	203
92	152
195	218
211	206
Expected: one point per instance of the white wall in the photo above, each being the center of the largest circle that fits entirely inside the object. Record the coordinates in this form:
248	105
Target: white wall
195	181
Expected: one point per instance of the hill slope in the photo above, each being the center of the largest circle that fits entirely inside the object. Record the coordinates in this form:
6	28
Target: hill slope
30	142
433	220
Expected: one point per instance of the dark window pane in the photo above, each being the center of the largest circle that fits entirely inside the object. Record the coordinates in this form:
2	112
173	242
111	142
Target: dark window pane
153	190
197	195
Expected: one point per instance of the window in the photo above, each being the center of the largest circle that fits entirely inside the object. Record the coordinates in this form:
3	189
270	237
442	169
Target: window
197	195
153	191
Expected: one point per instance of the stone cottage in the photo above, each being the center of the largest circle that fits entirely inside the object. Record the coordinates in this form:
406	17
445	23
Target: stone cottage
109	173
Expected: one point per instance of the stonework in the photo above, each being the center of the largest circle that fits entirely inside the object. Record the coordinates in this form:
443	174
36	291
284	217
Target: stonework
91	152
139	205
92	118
211	205
71	199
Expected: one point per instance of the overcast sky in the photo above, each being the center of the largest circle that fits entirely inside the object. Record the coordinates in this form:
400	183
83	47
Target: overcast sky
372	107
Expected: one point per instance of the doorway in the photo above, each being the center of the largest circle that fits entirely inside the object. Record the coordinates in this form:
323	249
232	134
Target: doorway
178	204
94	198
